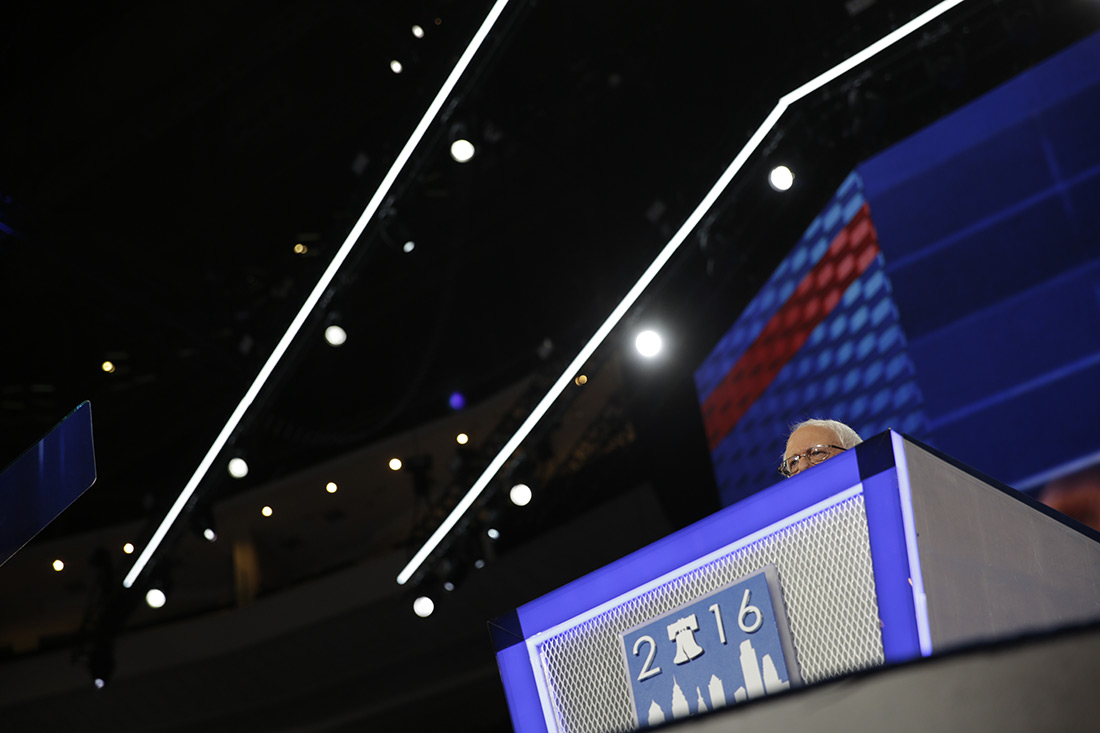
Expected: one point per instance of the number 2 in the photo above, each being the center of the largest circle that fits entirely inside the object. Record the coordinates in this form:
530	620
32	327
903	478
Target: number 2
646	671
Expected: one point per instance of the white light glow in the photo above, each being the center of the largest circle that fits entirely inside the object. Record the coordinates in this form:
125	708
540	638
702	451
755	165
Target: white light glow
335	335
396	67
209	534
479	564
238	467
418	31
99	683
448	586
462	150
58	565
267	511
395	464
318	291
462	438
651	272
155	598
128	548
494	534
781	178
423	606
331	487
520	494
648	343
409	246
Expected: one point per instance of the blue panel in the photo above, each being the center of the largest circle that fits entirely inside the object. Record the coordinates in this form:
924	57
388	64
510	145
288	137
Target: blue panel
521	690
890	561
991	259
1008	345
45	480
718	530
1061	409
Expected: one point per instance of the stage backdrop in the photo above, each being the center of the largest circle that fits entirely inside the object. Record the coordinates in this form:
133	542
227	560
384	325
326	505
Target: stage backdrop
949	290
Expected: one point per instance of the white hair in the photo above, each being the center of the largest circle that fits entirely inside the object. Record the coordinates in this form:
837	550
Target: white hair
848	438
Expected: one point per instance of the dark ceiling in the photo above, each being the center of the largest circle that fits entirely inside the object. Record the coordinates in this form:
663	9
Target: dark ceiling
159	163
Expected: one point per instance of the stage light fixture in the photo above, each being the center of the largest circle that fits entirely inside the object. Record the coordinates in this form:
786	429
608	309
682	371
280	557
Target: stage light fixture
655	267
267	511
423	606
331	487
409	246
396	67
462	150
493	532
395	464
209	534
479	563
781	178
520	494
319	290
108	367
335	335
155	598
448	586
462	438
581	380
418	31
58	565
238	467
648	343
300	249
128	548
457	401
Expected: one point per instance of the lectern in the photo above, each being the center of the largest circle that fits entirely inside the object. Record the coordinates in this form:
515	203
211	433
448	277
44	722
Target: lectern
885	553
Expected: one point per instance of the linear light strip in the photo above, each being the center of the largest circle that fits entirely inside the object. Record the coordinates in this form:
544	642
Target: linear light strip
651	272
912	547
318	290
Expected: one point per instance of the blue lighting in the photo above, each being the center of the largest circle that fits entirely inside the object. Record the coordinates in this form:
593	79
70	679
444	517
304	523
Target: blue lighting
456	401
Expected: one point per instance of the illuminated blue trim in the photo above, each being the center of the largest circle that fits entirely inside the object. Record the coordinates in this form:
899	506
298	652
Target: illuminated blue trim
920	600
520	686
890	565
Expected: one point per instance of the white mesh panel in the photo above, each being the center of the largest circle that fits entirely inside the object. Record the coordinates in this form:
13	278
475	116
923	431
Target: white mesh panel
824	565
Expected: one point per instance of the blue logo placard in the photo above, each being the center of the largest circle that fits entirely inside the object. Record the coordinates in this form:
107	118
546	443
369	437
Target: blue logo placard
727	647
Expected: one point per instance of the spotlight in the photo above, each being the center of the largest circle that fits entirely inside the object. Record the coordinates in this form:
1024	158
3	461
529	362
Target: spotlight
418	31
209	534
456	401
409	246
335	335
238	467
479	563
300	249
494	533
462	150
781	178
462	438
101	663
155	598
520	494
581	380
448	586
58	565
108	367
267	511
648	343
128	548
395	464
331	487
423	606
396	67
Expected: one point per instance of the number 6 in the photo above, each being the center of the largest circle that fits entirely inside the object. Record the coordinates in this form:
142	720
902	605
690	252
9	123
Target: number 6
746	610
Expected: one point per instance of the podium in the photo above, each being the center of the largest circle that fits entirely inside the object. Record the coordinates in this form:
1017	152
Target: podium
885	553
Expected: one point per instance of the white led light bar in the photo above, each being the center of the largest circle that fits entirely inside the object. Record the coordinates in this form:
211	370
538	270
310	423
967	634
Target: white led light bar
318	290
655	267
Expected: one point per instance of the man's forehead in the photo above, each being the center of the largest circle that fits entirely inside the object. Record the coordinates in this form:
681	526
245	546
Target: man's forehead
808	435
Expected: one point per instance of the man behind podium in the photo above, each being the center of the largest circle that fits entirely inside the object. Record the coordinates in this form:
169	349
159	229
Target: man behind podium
814	441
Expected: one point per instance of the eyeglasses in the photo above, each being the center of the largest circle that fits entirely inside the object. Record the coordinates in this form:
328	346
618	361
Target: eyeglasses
813	455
